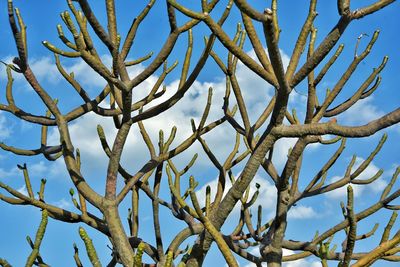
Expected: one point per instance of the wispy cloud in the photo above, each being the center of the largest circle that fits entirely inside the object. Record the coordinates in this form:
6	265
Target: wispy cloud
62	203
191	106
302	212
375	187
23	190
286	252
44	68
6	128
362	112
9	173
266	197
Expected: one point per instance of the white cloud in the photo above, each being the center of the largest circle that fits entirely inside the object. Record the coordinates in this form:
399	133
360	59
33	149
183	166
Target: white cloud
299	263
375	187
3	74
6	128
361	113
45	70
43	67
284	56
23	190
63	204
84	134
45	169
85	74
301	212
281	151
25	126
9	173
286	252
38	168
191	106
266	197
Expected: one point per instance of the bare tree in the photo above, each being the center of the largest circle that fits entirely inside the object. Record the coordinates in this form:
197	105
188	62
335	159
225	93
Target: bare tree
102	211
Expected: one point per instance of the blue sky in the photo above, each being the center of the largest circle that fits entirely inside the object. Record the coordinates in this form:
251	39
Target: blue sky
42	16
